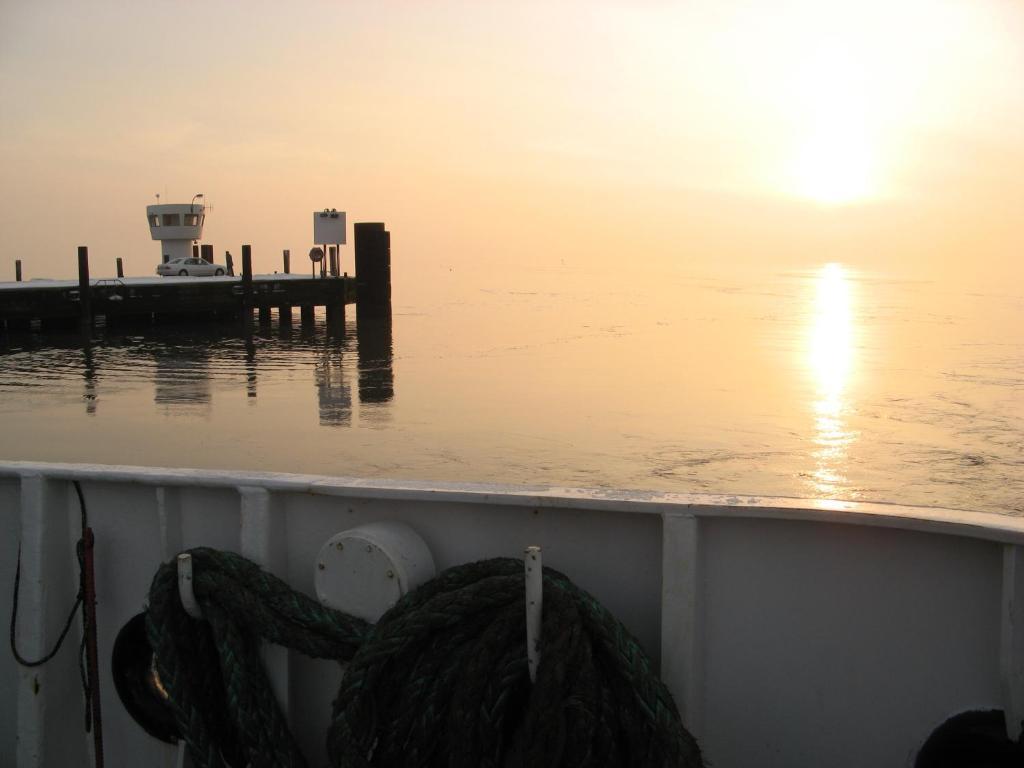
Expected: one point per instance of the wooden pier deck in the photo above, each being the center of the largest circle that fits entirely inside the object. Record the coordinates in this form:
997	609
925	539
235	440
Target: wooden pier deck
58	303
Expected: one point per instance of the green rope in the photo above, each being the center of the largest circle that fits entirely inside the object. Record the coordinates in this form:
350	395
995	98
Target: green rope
440	680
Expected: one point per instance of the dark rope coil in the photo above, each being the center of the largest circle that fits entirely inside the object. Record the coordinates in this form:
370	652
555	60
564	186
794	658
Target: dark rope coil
440	680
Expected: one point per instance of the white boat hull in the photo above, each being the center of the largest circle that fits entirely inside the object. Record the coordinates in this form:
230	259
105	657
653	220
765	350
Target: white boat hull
791	633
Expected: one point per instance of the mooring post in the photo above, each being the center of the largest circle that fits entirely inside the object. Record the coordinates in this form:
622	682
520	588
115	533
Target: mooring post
373	267
247	301
287	261
333	251
84	294
17	270
120	267
336	315
229	263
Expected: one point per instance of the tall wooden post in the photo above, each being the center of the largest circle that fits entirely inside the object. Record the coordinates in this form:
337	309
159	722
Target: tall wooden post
17	270
247	298
84	292
287	262
373	268
333	251
120	267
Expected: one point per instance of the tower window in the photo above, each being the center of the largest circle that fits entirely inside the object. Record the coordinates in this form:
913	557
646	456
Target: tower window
172	219
154	220
191	219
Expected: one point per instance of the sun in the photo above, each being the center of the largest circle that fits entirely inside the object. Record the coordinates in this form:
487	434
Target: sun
835	144
834	165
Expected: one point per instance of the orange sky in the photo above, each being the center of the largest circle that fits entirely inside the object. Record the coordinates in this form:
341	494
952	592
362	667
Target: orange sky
877	134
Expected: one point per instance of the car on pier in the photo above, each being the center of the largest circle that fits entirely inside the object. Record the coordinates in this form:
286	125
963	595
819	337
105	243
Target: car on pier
190	267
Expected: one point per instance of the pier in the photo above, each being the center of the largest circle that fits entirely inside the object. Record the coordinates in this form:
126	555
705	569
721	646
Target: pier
64	304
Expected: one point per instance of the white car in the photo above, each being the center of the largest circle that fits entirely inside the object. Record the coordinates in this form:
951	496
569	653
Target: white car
190	268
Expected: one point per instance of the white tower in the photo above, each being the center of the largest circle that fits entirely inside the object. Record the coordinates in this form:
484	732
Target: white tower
176	226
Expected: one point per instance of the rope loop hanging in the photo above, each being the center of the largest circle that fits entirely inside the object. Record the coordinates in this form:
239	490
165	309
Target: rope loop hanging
441	680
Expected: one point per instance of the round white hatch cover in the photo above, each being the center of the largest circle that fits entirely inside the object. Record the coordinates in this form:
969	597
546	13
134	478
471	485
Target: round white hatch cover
365	570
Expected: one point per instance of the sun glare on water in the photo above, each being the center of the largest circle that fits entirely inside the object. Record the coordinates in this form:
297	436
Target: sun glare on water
830	356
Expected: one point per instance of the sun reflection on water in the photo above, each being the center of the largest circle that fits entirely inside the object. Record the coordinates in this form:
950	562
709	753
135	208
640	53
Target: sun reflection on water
830	352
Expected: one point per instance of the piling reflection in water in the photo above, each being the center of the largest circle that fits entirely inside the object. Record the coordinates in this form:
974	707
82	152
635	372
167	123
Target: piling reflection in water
90	378
181	377
376	370
831	358
187	367
250	366
333	393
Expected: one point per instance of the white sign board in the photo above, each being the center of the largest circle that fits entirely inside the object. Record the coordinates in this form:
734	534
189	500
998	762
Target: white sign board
329	227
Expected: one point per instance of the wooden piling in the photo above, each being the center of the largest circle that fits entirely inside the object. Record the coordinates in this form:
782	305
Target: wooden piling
307	314
287	262
333	251
247	298
84	292
264	314
17	270
336	315
373	267
120	267
284	314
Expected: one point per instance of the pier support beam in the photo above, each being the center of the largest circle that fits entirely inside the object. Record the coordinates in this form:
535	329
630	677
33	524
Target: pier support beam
84	291
373	268
247	301
284	314
17	270
307	314
336	316
287	261
264	314
120	267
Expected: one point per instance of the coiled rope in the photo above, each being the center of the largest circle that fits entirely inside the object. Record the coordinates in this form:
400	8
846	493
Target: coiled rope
441	679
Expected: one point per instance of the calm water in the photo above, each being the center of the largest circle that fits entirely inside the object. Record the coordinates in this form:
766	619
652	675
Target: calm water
824	382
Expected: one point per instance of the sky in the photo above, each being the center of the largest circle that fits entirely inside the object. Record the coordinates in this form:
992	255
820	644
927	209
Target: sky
600	134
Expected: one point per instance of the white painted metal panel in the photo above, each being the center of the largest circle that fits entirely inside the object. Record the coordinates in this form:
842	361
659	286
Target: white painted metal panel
842	645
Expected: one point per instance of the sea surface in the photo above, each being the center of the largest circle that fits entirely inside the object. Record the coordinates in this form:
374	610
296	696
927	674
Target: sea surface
823	382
